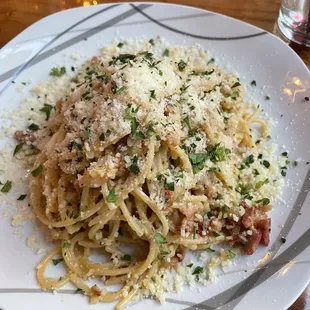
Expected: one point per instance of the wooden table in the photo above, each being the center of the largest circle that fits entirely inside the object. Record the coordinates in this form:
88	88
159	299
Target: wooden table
16	15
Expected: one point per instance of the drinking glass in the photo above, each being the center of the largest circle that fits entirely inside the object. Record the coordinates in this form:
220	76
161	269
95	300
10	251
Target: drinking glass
294	21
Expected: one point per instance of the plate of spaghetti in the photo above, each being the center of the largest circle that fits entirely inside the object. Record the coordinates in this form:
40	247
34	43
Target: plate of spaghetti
164	164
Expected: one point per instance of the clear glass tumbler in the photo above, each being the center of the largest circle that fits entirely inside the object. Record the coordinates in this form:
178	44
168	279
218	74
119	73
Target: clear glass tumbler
294	21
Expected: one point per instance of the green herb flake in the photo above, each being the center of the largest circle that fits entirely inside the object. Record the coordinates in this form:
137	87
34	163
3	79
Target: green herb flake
112	197
189	265
267	98
187	122
210	250
57	261
120	90
127	257
295	163
18	147
166	52
158	138
231	254
249	160
169	186
79	291
283	173
197	270
259	184
21	197
153	94
215	234
134	168
266	163
264	201
284	154
253	83
212	60
47	109
33	127
159	238
58	71
120	45
37	171
65	245
237	84
181	65
152	42
6	187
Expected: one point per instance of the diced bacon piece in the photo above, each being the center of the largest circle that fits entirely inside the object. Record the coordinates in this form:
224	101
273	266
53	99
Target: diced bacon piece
252	243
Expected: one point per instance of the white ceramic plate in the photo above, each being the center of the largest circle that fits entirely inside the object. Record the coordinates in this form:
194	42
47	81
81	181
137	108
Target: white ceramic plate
275	276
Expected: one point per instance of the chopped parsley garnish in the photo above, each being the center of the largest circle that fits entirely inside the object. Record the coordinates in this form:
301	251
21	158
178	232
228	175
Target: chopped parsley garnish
102	137
253	83
6	187
181	65
58	71
264	201
169	185
211	61
189	265
249	160
127	257
259	184
153	94
86	95
210	250
47	109
231	254
120	45
152	42
244	191
18	147
260	156
267	98
57	261
122	58
131	112
284	154
237	84
255	172
266	163
158	138
159	238
65	245
112	197
134	168
234	94
218	153
33	127
197	161
166	52
186	121
283	173
295	163
215	234
37	171
204	73
120	90
79	291
197	271
21	197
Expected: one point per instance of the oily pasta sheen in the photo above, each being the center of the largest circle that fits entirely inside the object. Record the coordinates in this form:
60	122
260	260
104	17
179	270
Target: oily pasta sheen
153	149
